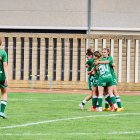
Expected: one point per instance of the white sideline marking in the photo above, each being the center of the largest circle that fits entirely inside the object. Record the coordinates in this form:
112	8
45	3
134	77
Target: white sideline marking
64	100
66	119
23	100
80	133
123	133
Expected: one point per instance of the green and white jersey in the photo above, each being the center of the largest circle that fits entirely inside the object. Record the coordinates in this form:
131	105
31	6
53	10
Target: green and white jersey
90	63
104	69
3	58
110	59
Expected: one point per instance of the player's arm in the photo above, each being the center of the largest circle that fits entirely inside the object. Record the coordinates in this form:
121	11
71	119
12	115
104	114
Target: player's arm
86	65
113	65
107	62
91	72
101	62
97	67
5	67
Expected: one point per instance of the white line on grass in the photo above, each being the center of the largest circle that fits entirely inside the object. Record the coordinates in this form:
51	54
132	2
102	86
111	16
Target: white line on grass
76	133
64	101
123	133
66	119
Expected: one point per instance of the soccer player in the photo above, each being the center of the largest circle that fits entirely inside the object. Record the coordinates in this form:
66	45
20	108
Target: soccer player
3	80
111	63
105	79
88	65
94	75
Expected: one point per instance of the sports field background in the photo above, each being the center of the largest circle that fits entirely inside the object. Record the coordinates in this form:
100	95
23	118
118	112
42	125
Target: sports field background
49	116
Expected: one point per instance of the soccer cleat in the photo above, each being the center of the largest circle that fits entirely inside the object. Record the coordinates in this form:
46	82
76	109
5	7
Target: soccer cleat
92	109
99	109
3	115
113	109
120	109
106	109
81	106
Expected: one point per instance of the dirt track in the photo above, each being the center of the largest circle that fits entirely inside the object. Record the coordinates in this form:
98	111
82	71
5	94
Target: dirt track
66	91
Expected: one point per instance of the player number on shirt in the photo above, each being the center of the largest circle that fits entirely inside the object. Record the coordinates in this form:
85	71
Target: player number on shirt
103	69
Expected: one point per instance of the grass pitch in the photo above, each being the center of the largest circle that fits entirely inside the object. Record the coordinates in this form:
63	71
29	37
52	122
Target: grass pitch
40	116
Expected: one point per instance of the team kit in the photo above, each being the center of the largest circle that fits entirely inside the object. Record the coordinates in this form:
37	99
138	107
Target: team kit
102	82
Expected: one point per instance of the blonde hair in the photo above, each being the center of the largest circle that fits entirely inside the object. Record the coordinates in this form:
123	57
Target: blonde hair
97	54
108	50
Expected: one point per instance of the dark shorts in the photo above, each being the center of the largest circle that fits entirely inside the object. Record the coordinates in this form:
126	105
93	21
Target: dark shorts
2	84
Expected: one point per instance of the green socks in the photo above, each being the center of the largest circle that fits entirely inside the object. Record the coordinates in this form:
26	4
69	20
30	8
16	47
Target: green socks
100	103
84	102
94	101
3	106
107	101
119	101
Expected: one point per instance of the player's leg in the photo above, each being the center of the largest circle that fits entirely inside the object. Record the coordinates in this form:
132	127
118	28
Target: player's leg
101	85
86	99
94	98
3	102
108	102
100	97
113	99
119	103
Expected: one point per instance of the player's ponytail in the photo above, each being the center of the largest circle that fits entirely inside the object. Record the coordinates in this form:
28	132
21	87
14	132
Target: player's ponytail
89	52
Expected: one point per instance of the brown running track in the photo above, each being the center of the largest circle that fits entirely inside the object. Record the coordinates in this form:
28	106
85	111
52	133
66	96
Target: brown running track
66	91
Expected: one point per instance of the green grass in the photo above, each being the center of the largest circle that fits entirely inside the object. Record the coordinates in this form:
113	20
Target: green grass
24	108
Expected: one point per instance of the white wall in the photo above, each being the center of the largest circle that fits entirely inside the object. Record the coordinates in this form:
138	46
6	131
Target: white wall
70	14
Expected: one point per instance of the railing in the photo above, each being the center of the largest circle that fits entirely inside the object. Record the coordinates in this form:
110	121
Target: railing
39	60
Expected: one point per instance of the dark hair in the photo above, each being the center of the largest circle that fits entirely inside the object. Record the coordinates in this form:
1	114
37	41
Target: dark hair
97	54
108	50
89	52
0	41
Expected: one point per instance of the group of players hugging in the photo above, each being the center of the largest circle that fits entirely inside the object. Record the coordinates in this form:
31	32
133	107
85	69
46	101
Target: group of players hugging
102	81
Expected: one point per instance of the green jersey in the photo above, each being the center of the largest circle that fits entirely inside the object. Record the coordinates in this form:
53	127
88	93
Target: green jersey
104	69
105	76
111	67
90	63
3	58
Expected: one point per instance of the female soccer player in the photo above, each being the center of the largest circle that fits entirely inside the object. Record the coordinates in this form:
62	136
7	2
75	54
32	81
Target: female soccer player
109	61
89	66
105	79
3	80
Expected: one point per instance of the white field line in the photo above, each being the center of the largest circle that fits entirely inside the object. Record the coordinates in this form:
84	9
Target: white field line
123	133
23	100
67	119
61	100
76	133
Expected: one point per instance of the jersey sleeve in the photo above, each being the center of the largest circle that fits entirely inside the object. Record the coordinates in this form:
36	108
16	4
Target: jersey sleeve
110	60
88	62
4	57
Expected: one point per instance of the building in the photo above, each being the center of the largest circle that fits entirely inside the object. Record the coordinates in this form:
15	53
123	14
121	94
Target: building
46	40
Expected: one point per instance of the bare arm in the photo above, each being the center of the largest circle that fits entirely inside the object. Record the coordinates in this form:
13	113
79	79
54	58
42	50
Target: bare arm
5	66
113	65
101	62
87	66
